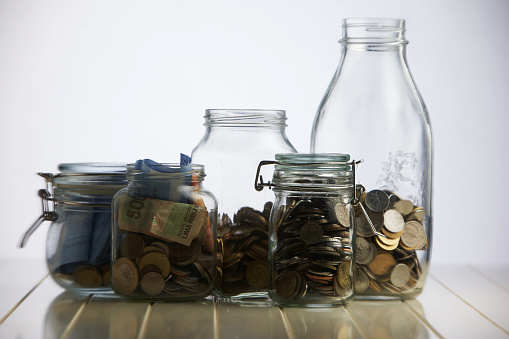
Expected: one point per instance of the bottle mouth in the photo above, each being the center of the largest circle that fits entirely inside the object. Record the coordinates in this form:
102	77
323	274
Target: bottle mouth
245	118
373	31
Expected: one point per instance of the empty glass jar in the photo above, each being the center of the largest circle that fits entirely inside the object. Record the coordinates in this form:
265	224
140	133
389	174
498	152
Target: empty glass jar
373	111
233	144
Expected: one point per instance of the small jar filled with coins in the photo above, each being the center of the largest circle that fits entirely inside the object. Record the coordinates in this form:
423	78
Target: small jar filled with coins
164	229
311	227
78	202
235	140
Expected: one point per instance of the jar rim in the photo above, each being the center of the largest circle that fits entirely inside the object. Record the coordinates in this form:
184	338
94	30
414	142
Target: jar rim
373	30
92	168
245	117
166	170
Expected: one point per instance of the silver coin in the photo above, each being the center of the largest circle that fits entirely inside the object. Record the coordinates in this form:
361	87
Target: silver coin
400	275
362	251
377	200
393	221
362	282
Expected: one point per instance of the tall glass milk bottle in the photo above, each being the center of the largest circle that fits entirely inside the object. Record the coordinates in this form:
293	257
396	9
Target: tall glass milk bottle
373	111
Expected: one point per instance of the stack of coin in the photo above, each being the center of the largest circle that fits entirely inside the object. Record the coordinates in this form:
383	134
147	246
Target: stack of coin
243	252
312	255
387	262
146	266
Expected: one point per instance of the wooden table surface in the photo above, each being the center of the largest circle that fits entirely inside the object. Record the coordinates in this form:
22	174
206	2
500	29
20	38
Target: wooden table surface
458	301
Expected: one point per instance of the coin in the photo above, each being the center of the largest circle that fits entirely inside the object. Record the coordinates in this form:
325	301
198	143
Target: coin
257	274
400	275
393	221
339	213
157	259
125	275
132	245
343	275
183	255
288	284
411	235
383	264
242	242
152	283
377	200
311	233
417	214
361	282
362	253
383	245
87	276
404	207
362	227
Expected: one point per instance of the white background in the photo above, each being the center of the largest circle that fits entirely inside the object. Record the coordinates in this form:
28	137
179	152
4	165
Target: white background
119	80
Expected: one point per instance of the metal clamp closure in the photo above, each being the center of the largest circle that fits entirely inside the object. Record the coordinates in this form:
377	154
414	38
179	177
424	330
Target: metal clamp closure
259	185
48	208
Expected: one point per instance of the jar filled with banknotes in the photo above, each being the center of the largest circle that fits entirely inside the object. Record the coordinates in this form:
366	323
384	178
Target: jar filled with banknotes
374	111
311	257
77	201
234	142
164	228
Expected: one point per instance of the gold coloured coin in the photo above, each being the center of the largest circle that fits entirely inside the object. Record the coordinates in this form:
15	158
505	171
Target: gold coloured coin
343	275
404	207
132	246
288	284
87	276
125	275
257	274
383	264
417	214
157	259
311	233
384	245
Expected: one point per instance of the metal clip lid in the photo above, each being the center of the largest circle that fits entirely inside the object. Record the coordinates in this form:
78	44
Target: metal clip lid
48	213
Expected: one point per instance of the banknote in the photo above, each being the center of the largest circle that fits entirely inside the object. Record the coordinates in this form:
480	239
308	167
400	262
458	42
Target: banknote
167	220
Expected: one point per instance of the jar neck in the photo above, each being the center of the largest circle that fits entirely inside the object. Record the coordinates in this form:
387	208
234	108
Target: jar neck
301	172
191	174
245	119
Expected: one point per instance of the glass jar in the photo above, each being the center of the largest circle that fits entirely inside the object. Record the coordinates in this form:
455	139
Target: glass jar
78	202
373	110
234	142
164	226
311	259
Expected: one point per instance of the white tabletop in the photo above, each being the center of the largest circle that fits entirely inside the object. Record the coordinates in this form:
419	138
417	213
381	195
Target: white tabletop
457	302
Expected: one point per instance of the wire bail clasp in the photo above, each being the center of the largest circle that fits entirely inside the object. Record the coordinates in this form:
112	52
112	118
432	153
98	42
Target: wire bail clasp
48	208
259	186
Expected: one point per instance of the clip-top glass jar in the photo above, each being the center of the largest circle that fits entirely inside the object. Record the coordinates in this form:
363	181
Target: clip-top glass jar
311	259
164	228
78	202
373	110
234	141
